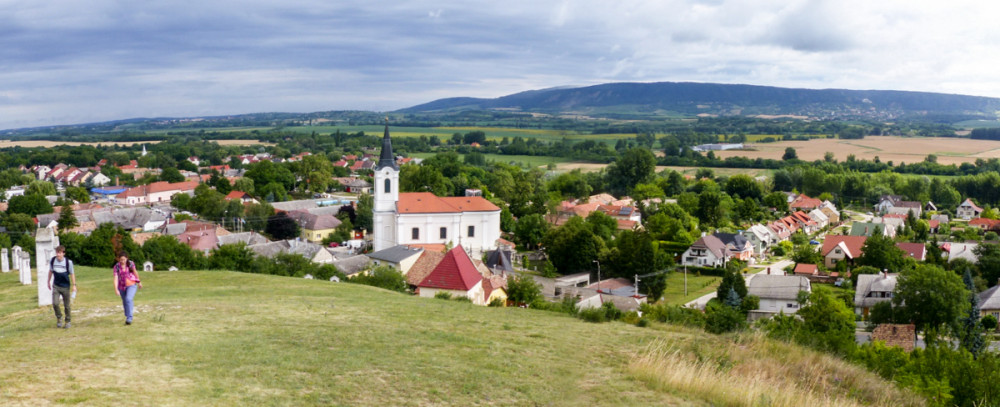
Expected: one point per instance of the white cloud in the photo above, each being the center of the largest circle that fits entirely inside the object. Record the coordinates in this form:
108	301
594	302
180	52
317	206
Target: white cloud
67	61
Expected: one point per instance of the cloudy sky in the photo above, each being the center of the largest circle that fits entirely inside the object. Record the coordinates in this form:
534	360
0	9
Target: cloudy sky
70	61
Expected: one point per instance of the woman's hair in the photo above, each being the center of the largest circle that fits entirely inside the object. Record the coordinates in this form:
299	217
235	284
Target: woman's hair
122	254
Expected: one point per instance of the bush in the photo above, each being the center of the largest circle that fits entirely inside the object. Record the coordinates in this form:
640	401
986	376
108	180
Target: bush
496	303
383	277
595	315
989	323
720	318
442	295
674	314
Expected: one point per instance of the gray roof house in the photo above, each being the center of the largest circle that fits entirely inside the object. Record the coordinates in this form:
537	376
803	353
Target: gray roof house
314	252
351	265
500	261
400	257
707	251
778	294
989	302
248	238
873	289
144	219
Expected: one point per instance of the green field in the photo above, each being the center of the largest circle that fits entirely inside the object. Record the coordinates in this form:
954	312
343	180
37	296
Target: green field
223	338
445	133
697	286
521	160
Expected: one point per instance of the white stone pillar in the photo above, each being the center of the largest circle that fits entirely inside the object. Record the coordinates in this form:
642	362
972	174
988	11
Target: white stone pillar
4	261
15	257
25	269
42	264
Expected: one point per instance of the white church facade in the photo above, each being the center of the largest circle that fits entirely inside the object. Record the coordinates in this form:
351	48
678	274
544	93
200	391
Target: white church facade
421	218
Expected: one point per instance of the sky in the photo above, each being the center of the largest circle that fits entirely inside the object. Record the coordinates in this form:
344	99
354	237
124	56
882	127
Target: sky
70	61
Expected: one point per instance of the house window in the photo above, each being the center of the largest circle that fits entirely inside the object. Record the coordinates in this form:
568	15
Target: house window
472	231
415	233
388	186
444	233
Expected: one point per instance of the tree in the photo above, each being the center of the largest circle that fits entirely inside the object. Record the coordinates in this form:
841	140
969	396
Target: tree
635	253
881	252
43	188
235	257
281	227
256	215
635	166
777	200
166	251
531	230
386	277
67	219
78	194
573	247
31	205
970	329
522	289
424	178
220	183
244	184
790	154
733	280
171	174
710	207
989	261
932	296
744	186
364	215
828	324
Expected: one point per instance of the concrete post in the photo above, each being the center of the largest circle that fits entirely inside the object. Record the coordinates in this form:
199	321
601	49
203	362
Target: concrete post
25	261
4	261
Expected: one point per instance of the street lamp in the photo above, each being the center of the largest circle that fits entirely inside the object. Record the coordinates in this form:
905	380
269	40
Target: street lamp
598	276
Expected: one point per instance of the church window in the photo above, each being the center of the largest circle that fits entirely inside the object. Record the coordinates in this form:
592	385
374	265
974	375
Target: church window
472	231
444	233
388	186
416	233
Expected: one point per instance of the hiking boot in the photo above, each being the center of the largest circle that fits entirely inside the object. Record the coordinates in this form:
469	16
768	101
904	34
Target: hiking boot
66	326
128	322
59	324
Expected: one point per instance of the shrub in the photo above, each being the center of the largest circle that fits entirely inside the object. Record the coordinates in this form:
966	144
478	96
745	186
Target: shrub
989	323
496	302
595	315
442	295
383	277
674	314
720	318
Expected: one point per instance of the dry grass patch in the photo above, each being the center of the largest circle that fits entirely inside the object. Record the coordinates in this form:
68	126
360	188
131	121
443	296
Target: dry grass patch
755	371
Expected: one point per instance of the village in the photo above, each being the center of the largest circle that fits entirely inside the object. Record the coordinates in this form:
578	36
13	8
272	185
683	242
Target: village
453	247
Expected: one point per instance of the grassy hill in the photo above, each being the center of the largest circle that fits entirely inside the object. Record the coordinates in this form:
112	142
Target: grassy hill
221	338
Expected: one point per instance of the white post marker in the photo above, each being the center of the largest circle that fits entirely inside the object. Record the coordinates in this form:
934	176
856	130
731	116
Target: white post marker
4	261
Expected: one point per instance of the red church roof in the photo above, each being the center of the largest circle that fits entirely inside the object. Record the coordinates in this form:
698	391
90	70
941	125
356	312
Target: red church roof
454	272
426	202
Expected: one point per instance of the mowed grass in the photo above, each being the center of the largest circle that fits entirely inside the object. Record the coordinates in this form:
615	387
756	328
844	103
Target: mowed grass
697	285
223	338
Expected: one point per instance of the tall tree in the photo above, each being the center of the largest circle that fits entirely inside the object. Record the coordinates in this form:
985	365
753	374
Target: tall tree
635	166
282	227
573	247
933	298
531	230
970	329
881	252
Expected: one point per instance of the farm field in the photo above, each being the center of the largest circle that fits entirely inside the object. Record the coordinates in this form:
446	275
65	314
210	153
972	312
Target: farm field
522	160
492	133
887	148
222	338
50	144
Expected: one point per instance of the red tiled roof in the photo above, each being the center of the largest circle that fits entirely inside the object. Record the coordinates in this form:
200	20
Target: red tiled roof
806	269
454	272
805	202
426	202
934	223
236	195
915	250
853	243
984	223
161	186
424	265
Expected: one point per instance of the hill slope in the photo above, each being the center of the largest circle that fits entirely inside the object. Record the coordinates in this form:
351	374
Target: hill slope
219	338
712	98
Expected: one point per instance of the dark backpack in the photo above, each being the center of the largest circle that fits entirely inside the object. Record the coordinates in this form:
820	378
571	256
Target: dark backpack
52	263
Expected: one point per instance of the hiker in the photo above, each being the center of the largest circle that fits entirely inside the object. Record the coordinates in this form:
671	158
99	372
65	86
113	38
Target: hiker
126	283
62	277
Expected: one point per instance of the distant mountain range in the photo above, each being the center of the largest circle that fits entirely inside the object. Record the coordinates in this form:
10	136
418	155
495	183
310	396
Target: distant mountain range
622	100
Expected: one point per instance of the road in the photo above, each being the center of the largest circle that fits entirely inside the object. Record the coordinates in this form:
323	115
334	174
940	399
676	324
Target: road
776	268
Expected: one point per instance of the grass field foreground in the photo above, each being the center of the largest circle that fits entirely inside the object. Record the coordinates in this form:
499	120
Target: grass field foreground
223	338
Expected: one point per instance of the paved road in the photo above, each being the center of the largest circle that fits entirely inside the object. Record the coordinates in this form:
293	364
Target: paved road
776	268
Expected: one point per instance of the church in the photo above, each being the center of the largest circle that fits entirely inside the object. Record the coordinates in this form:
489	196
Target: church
421	218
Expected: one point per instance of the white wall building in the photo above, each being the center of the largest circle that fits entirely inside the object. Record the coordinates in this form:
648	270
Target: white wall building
418	218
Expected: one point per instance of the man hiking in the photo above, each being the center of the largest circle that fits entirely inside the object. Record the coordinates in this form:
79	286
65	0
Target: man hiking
65	281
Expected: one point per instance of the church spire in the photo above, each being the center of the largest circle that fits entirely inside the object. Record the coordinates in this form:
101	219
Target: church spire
386	158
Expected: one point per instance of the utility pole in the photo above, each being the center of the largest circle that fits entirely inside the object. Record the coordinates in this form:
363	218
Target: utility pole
598	276
637	285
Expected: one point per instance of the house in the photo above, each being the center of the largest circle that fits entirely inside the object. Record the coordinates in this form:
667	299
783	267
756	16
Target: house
804	202
623	303
761	238
455	275
831	212
915	250
968	210
804	222
399	257
780	231
803	269
470	222
819	217
500	261
355	185
929	206
837	248
989	302
135	219
247	238
985	224
241	196
311	251
965	251
495	290
933	226
420	269
873	289
161	191
887	201
314	227
870	228
940	217
737	246
707	251
906	207
778	294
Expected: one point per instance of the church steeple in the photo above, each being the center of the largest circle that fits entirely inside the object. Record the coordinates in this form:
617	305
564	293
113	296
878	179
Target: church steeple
386	158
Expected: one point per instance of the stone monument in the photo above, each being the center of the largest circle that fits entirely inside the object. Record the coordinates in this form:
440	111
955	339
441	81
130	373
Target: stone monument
46	241
147	266
25	261
15	257
4	261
